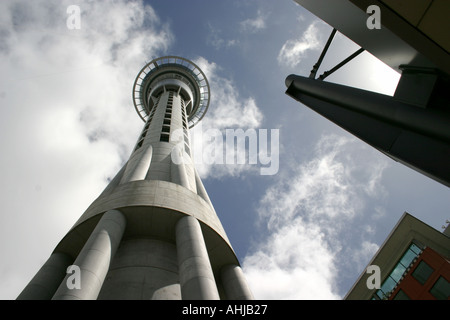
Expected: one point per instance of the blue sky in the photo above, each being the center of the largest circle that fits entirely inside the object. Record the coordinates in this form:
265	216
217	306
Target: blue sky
68	124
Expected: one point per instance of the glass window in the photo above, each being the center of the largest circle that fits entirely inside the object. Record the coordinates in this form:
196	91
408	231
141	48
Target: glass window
422	272
388	285
164	137
408	257
441	289
398	271
380	294
415	248
396	274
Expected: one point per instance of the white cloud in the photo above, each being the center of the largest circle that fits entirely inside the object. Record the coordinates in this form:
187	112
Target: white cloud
227	110
293	263
294	50
217	40
66	115
256	24
363	254
309	216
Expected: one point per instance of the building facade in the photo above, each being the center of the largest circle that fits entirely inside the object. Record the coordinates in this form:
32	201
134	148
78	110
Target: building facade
427	279
153	232
414	264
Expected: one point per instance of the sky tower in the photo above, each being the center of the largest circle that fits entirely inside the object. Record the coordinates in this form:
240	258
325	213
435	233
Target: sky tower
153	232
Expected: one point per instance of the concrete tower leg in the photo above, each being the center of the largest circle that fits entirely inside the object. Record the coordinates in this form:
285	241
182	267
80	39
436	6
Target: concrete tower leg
95	258
47	279
178	172
196	275
234	283
143	165
137	168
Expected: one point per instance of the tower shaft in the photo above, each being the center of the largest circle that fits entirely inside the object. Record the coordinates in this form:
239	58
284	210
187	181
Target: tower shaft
153	232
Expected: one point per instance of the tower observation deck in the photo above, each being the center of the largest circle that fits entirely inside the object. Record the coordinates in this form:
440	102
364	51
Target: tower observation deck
153	232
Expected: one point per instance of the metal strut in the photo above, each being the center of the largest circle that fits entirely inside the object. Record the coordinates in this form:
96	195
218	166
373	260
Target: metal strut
322	55
354	55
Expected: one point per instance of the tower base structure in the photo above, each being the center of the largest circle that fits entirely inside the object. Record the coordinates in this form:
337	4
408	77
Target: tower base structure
162	249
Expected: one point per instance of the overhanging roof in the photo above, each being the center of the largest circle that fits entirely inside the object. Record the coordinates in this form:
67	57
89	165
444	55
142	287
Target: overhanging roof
413	32
410	41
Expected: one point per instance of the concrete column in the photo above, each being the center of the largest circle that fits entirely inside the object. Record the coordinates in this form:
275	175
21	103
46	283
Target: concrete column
95	258
234	283
178	173
141	169
196	275
137	168
47	279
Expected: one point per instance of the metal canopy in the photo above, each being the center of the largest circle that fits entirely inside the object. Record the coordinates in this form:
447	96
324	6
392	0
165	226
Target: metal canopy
401	40
413	126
